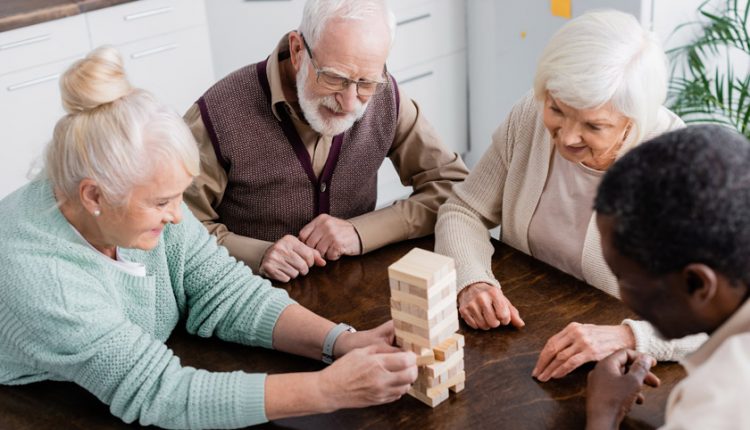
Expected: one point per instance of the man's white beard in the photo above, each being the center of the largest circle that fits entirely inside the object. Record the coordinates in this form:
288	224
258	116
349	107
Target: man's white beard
311	108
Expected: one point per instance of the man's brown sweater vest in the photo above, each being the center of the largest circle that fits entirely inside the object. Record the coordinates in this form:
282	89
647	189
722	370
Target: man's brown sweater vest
271	189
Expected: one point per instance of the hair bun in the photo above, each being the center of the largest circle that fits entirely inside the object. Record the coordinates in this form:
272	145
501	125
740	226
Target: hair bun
95	80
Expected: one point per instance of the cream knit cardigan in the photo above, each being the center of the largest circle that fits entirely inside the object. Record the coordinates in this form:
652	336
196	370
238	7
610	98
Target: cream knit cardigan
504	189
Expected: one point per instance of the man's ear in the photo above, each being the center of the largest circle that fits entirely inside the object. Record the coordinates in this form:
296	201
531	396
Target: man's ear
90	195
296	46
701	282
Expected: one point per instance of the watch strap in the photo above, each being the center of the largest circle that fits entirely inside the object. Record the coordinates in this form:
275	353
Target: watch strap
331	338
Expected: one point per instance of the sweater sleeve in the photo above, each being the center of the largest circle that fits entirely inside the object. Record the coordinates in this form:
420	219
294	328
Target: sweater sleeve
463	221
649	341
223	297
67	324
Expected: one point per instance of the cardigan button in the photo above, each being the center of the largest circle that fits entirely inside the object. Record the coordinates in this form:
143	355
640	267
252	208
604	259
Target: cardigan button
323	187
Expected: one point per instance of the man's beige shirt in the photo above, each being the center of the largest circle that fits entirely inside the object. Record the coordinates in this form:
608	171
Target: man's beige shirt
714	394
420	158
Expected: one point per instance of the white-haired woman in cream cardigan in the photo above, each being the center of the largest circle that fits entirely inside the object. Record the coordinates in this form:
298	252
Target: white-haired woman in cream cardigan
598	91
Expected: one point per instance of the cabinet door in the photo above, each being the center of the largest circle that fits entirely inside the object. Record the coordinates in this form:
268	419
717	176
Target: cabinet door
425	31
389	185
175	67
30	106
439	88
42	43
246	31
143	19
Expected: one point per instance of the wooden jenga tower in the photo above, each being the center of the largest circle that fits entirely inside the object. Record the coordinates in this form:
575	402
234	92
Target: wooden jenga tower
423	307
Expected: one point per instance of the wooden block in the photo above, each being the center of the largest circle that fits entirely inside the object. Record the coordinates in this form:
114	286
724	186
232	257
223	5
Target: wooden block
452	372
446	349
433	304
440	367
438	307
448	329
417	311
421	268
457	388
416	330
429	401
407	317
407	346
417	291
425	357
455	380
434	323
460	339
437	334
430	381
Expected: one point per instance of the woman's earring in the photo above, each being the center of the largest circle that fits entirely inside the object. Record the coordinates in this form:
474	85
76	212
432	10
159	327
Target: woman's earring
97	212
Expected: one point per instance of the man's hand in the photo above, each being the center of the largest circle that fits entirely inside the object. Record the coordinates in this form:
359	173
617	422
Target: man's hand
331	237
288	258
614	385
577	344
484	306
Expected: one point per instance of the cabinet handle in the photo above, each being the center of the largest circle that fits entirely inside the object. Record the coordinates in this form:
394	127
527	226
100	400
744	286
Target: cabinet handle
33	82
414	19
153	51
416	78
23	42
148	13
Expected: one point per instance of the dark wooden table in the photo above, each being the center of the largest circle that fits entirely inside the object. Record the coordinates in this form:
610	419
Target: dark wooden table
499	394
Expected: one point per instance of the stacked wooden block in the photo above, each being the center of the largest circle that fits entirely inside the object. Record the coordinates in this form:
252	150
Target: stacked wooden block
423	307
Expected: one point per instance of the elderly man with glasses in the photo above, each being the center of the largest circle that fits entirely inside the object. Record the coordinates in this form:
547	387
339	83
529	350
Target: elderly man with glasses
291	147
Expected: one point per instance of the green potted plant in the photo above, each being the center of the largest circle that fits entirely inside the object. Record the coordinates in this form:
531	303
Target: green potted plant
705	85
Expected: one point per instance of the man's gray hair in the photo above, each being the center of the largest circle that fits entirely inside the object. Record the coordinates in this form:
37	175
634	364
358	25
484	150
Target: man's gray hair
317	13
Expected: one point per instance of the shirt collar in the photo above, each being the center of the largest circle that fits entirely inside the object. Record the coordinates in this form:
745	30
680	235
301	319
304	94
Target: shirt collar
739	322
273	71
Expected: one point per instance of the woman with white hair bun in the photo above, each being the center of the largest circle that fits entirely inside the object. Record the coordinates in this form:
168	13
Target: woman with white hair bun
100	260
599	91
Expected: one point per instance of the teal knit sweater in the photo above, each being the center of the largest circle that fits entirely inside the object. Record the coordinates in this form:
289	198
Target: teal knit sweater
66	313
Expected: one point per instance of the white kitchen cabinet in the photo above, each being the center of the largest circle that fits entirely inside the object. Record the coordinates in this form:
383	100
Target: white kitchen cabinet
427	30
139	20
31	61
428	61
246	31
42	43
166	65
29	108
439	89
164	44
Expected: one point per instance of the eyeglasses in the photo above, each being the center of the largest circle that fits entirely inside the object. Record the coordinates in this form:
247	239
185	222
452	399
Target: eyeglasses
334	82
